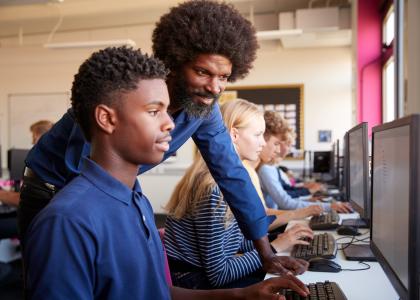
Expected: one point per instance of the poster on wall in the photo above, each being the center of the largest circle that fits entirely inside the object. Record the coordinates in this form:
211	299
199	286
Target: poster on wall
286	99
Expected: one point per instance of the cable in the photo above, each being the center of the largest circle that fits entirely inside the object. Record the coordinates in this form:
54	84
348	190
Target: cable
362	269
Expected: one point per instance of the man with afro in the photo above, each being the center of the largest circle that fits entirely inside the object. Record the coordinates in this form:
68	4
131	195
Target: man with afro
205	45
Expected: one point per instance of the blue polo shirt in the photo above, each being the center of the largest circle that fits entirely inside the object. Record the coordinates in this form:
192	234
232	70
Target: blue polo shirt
57	155
95	240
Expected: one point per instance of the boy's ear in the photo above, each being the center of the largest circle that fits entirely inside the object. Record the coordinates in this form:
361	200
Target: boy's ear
105	118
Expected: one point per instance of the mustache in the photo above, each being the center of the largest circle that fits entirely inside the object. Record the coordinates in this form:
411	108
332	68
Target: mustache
207	95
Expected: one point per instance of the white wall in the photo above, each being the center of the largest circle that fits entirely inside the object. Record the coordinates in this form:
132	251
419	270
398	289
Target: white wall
325	73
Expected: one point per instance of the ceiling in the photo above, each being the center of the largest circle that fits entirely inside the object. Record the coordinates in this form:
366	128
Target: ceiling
28	17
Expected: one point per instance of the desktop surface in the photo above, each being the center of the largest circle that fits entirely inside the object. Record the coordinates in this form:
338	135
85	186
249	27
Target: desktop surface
356	285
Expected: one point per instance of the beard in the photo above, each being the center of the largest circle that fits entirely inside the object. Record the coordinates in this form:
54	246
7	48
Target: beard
184	99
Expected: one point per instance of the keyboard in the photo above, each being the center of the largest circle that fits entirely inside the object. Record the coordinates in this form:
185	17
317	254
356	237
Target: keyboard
6	209
320	290
322	245
325	221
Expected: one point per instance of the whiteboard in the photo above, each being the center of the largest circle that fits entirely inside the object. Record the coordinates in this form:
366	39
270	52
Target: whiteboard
26	109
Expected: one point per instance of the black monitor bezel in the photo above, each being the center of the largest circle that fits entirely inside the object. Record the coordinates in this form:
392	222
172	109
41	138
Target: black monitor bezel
364	212
345	180
328	153
16	174
414	211
335	163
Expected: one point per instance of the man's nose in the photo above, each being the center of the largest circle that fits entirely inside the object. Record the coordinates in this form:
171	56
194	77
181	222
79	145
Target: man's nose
214	86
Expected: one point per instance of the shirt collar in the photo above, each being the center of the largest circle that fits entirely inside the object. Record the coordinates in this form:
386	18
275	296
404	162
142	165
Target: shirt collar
106	183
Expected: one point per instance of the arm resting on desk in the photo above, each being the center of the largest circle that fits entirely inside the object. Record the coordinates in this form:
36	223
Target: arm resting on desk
9	198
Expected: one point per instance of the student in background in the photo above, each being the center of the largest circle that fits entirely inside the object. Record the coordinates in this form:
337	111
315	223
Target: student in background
205	246
274	194
205	45
97	238
275	133
37	129
8	222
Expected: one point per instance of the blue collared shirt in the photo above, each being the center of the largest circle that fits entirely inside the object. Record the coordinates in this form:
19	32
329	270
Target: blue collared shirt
57	155
95	240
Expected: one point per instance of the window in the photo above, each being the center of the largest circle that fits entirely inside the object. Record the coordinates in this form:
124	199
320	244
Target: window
388	27
388	66
388	88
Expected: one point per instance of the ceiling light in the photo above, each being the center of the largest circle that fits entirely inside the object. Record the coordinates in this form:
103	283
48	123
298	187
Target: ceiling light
90	44
277	34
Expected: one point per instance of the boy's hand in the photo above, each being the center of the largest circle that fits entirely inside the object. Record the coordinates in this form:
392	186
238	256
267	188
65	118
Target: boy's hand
270	288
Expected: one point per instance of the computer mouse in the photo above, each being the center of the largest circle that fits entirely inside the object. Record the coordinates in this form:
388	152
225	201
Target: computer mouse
319	264
347	230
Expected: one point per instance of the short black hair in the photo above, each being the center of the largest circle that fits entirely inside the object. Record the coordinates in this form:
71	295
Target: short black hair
205	27
105	76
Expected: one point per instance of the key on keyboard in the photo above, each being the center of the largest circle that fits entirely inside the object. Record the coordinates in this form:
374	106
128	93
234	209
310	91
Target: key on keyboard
325	221
321	290
322	245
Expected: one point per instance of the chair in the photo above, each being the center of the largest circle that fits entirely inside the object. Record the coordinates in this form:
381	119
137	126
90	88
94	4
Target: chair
167	270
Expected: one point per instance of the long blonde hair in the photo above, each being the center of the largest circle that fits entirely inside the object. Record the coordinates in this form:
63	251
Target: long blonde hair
197	182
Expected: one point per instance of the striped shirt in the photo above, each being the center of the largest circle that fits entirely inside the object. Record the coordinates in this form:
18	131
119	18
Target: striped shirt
207	241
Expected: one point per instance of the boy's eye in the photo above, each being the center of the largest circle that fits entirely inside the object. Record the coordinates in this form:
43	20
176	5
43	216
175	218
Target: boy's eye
153	113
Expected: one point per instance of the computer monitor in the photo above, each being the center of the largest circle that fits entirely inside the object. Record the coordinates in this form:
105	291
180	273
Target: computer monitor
321	162
358	169
16	163
395	222
344	183
335	163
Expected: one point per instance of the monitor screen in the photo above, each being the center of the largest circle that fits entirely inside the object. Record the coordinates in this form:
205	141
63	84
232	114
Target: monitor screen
358	169
395	204
334	163
344	186
322	161
16	163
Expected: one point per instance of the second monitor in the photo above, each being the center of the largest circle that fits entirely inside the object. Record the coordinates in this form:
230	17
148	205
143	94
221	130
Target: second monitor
358	174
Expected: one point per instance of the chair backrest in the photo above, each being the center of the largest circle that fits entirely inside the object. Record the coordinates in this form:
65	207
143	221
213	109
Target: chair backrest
167	270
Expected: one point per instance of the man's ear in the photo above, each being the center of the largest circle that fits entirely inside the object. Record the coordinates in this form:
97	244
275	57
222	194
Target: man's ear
105	118
234	134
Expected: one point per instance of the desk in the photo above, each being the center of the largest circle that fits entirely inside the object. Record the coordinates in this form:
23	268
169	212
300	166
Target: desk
356	285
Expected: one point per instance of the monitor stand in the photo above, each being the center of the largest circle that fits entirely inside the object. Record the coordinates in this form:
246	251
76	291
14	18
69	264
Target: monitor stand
358	252
359	223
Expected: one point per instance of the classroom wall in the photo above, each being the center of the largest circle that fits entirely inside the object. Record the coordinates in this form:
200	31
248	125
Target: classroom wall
413	62
324	72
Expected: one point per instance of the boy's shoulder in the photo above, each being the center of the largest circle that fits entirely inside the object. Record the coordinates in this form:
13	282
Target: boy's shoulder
77	198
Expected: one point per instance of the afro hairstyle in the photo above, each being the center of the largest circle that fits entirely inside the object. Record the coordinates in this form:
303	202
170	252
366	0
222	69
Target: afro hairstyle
205	27
105	76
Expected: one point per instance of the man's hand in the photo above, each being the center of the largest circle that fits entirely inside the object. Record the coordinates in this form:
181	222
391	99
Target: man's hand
281	265
342	207
269	289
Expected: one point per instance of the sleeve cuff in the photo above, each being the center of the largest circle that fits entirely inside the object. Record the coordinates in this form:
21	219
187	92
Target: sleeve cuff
259	228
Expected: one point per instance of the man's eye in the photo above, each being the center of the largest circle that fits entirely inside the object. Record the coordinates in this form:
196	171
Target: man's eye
153	112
